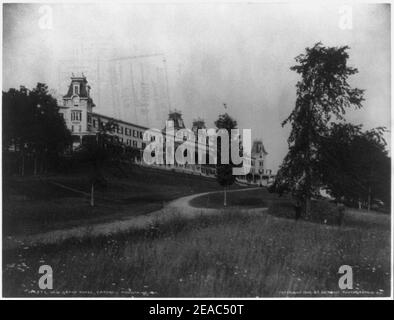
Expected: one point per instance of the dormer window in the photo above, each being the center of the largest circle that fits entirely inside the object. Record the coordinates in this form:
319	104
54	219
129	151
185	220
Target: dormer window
76	89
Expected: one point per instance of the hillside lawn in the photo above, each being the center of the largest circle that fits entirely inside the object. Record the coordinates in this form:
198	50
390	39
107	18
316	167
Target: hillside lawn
33	204
257	198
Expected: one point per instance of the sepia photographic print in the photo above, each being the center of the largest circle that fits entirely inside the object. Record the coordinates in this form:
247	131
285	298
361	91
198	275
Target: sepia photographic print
175	149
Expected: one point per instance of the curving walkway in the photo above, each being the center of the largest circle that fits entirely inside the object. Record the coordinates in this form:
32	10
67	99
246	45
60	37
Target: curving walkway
176	208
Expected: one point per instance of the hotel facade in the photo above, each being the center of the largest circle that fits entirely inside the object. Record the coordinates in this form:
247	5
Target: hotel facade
77	110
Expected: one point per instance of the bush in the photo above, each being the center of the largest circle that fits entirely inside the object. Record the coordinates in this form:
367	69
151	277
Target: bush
323	212
327	213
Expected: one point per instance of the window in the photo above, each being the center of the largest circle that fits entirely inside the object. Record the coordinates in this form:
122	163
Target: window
141	135
89	118
94	123
76	89
72	128
135	143
76	115
143	145
121	130
80	128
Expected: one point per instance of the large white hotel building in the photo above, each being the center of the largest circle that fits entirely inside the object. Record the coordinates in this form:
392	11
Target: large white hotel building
81	120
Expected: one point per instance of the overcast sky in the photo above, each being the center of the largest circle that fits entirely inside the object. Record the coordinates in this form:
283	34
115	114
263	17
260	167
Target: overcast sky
238	54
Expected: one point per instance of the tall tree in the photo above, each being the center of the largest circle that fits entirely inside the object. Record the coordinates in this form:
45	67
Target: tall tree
322	93
97	150
33	126
224	171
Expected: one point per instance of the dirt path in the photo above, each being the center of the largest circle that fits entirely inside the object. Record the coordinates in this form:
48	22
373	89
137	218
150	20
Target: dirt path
179	207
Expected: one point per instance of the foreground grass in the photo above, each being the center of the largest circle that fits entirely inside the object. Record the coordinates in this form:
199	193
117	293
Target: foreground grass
280	206
228	255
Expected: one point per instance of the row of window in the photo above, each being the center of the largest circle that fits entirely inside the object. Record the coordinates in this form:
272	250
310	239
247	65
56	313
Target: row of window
260	163
133	143
129	132
254	171
129	142
119	129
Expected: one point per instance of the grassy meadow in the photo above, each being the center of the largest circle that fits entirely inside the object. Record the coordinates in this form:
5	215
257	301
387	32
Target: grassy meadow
226	255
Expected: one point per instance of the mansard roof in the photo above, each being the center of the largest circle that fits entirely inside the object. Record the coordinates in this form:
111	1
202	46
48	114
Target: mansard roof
258	148
199	123
83	87
176	116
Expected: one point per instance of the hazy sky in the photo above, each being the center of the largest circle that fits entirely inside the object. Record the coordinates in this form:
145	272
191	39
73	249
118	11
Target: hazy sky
238	54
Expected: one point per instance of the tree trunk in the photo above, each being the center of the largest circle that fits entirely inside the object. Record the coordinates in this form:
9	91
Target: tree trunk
369	198
308	171
308	194
35	165
45	163
23	165
307	208
92	195
225	197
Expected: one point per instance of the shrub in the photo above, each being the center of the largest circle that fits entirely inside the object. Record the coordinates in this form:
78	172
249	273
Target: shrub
323	212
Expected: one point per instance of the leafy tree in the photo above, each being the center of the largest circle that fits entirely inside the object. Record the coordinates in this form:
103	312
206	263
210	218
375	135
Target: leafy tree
32	126
322	93
354	164
224	171
338	173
